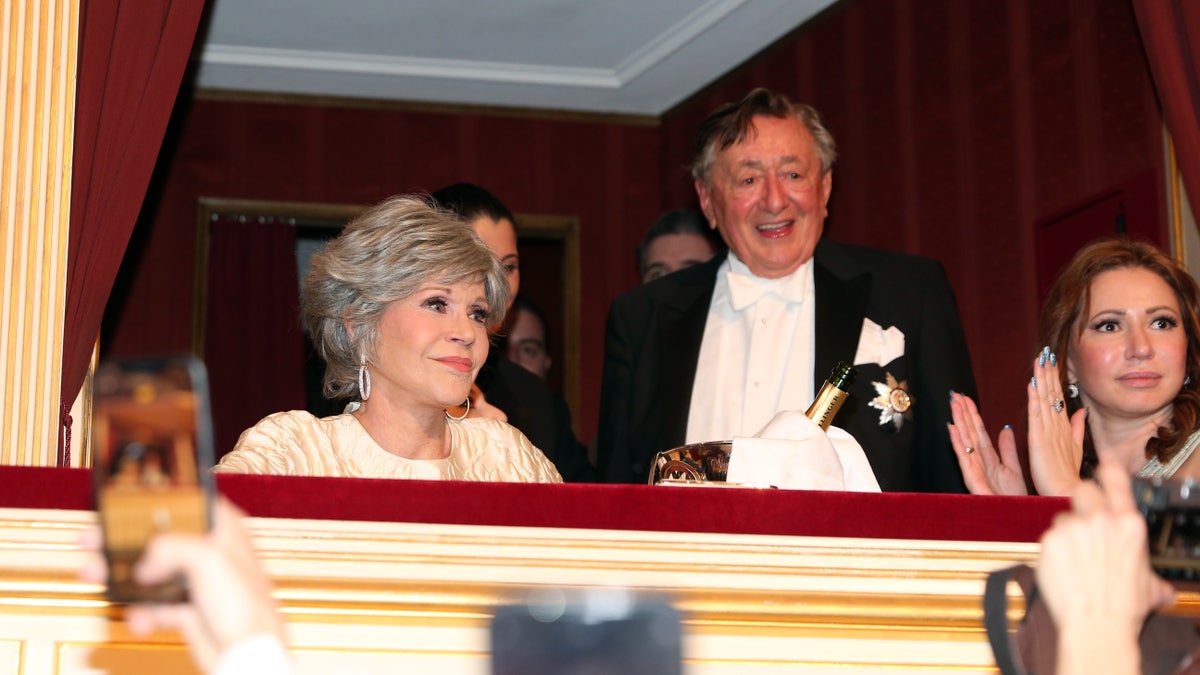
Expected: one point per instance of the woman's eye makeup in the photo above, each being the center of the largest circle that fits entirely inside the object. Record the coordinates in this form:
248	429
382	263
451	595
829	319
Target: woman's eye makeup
476	310
1161	322
1165	321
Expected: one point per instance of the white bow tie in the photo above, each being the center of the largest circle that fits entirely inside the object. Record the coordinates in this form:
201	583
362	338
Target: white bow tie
747	289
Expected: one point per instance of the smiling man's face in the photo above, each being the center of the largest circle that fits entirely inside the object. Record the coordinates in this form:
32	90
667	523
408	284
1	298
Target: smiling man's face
767	196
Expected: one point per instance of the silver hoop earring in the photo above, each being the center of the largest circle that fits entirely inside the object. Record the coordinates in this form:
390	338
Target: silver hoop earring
1073	390
364	378
466	409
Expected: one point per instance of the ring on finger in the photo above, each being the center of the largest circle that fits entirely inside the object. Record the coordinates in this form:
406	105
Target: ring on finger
1058	405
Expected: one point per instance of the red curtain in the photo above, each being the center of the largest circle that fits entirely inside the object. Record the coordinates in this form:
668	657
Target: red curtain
253	309
132	56
1171	35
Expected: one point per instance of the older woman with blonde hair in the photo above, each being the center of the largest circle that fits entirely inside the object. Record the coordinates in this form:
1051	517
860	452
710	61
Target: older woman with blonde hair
398	306
1116	380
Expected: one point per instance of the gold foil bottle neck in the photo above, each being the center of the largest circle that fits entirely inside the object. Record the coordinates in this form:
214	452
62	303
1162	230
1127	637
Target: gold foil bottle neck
832	395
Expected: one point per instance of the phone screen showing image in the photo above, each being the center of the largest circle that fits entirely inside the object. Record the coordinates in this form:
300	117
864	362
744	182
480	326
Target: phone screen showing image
152	451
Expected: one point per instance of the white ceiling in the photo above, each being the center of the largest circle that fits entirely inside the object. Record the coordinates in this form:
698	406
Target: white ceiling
612	56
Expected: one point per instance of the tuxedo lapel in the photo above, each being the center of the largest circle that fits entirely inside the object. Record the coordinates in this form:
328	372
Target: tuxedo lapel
841	293
681	320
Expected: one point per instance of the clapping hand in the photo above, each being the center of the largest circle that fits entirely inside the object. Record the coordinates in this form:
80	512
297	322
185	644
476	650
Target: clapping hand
986	471
1055	440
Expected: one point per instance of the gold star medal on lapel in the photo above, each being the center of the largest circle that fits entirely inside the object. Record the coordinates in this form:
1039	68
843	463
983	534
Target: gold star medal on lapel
892	401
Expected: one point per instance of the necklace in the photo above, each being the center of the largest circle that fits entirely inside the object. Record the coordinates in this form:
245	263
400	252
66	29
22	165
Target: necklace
1157	469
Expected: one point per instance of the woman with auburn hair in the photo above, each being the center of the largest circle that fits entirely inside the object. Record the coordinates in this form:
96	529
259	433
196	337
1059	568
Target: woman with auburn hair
1116	379
398	306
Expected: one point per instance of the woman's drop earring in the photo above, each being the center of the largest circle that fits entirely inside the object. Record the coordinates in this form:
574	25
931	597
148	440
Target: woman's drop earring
364	378
1073	390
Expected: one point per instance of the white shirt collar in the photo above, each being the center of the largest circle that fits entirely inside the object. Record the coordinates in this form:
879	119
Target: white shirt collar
746	288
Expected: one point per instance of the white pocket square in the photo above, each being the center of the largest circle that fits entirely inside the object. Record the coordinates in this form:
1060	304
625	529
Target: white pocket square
879	346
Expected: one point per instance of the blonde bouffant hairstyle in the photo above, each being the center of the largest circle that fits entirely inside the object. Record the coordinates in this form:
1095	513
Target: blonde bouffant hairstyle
385	255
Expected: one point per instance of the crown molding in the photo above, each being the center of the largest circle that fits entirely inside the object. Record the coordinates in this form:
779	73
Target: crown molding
677	51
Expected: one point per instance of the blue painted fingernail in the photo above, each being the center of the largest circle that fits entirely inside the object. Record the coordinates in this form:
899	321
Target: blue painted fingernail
1033	381
1007	426
1053	359
1042	360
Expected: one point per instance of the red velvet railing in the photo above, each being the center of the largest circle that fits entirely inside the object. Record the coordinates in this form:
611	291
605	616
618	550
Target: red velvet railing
621	507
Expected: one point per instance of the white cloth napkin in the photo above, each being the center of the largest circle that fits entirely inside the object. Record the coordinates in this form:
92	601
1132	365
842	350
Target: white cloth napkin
792	453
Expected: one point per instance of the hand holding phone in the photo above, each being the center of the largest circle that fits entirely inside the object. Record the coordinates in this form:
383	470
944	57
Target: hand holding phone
152	448
230	600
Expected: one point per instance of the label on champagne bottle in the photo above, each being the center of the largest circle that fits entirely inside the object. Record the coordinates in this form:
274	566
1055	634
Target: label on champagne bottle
832	395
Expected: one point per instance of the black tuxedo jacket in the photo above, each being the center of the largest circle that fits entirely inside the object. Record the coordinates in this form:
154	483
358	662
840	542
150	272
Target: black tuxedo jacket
652	344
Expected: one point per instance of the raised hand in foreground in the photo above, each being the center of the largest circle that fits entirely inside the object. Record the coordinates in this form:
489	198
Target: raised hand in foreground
230	617
1094	573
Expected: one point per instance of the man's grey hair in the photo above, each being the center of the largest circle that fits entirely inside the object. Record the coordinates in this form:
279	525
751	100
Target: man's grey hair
734	122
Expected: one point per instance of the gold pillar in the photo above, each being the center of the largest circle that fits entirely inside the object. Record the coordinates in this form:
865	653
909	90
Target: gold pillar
38	43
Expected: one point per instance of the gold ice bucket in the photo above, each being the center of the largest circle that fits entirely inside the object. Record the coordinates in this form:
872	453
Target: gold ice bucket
692	464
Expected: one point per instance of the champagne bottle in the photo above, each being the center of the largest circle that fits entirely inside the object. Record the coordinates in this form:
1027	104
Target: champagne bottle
832	395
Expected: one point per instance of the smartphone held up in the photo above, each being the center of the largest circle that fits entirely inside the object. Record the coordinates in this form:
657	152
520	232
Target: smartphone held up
152	450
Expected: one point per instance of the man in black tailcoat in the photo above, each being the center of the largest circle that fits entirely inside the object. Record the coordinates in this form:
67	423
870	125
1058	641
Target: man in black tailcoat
715	350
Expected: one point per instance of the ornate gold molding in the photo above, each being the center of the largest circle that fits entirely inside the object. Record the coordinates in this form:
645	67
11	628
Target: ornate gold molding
418	597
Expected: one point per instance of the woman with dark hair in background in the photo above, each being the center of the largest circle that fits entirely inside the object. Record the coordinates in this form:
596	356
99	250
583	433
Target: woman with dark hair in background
529	403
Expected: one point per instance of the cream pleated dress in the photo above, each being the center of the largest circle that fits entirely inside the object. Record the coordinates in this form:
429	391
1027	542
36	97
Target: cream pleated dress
295	443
